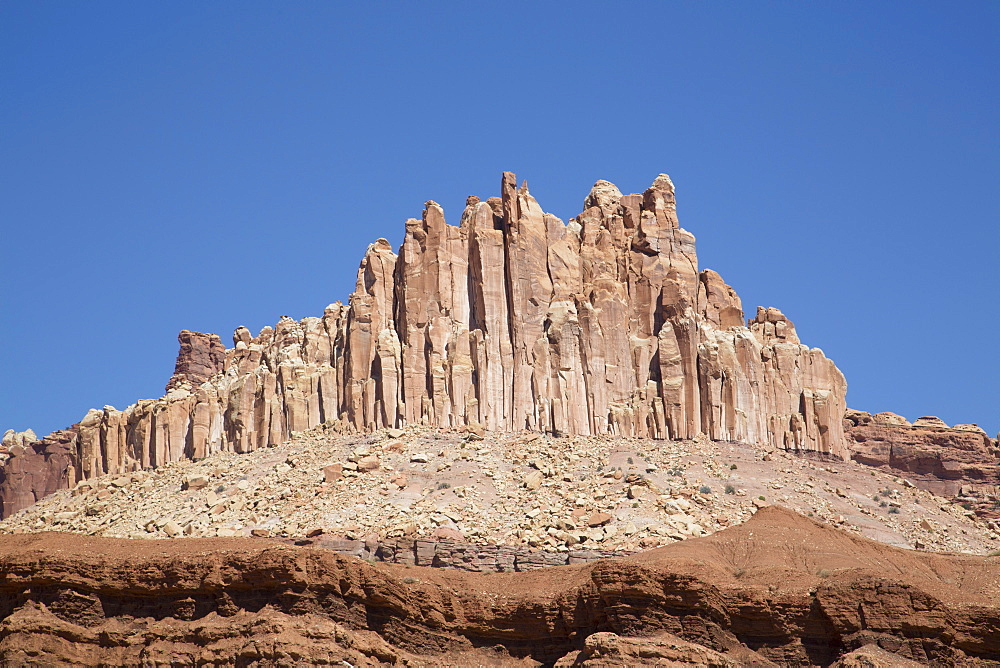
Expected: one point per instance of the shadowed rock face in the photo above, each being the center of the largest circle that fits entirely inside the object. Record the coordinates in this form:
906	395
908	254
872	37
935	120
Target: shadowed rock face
511	320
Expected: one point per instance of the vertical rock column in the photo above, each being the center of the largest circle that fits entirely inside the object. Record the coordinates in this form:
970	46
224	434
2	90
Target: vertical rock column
489	320
372	356
529	290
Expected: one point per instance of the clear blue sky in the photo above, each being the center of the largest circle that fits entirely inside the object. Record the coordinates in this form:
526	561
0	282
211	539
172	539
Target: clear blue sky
204	165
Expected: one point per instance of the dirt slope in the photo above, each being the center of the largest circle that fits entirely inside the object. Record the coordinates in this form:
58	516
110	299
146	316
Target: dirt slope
780	589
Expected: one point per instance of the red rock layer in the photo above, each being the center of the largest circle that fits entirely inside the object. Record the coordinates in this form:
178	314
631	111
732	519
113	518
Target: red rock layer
35	470
201	356
511	320
778	590
935	456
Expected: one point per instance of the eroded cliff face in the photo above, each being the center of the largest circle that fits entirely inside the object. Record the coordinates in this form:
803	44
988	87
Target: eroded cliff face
778	590
941	459
511	320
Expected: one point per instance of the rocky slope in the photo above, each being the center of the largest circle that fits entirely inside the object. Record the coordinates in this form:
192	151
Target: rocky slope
511	320
813	596
500	492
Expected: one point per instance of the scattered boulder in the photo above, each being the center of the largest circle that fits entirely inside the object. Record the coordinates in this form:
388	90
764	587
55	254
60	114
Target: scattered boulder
599	519
195	482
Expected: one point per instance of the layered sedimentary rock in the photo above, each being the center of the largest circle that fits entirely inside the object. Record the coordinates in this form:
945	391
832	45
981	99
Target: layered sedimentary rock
937	457
454	555
511	320
778	590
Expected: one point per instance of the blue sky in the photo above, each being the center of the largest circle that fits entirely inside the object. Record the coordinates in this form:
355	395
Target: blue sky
209	165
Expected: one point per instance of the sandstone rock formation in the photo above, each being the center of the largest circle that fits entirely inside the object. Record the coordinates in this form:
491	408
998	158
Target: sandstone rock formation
453	554
201	356
937	457
36	468
511	320
778	590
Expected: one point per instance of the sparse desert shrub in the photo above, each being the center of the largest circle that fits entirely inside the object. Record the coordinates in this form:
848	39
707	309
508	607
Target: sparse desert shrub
882	504
705	489
629	460
730	489
761	497
409	579
893	510
444	485
732	467
823	573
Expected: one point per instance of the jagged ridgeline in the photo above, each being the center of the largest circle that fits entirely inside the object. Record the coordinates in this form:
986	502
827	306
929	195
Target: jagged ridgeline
511	320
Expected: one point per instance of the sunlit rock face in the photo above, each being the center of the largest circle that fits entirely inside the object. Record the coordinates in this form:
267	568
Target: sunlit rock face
948	461
511	320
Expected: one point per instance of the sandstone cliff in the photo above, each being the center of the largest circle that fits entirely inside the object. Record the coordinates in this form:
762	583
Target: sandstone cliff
936	457
511	320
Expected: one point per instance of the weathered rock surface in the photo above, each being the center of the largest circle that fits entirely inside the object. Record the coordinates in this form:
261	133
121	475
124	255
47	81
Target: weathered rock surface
779	590
934	456
201	356
35	468
511	320
455	555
